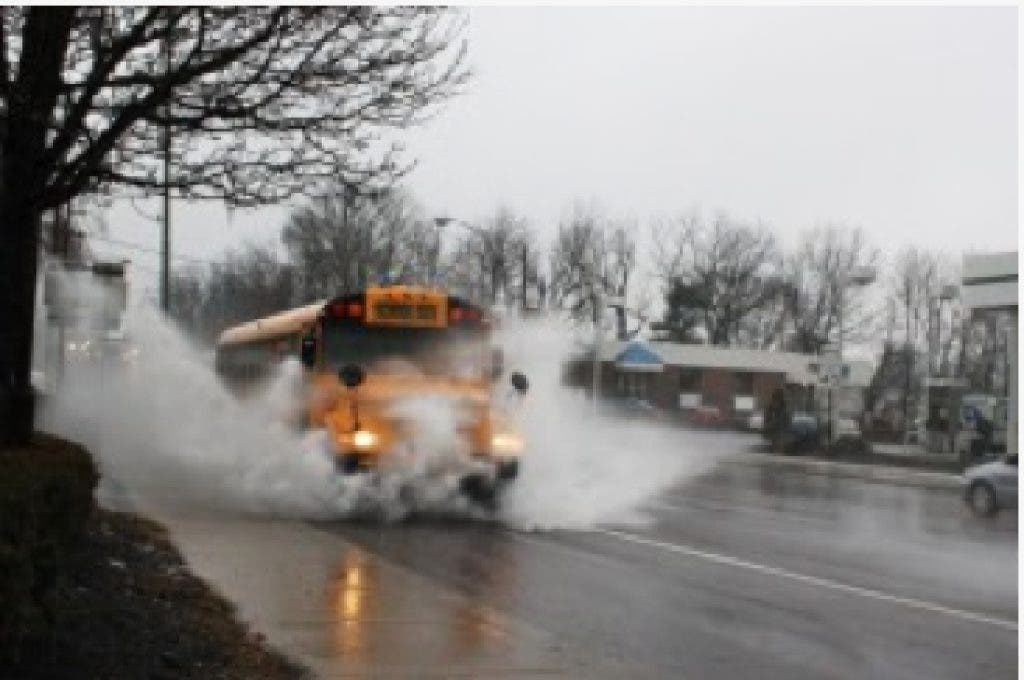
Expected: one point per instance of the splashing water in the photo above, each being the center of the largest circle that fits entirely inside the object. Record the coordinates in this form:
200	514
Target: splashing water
164	427
581	469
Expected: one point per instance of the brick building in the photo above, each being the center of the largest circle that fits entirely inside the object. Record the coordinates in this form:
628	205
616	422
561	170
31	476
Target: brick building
690	378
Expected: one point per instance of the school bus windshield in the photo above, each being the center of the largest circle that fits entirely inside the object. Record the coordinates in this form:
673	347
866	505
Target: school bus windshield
455	352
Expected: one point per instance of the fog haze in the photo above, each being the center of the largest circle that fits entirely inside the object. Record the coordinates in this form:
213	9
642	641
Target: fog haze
899	120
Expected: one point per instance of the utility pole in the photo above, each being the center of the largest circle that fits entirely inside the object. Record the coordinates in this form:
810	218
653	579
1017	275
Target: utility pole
598	309
890	321
165	246
596	375
497	275
361	264
522	293
908	366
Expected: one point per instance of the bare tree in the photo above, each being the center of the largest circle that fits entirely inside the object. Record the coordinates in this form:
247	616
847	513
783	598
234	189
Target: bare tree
249	283
488	258
593	258
718	280
253	104
816	287
915	285
575	263
619	265
349	242
526	282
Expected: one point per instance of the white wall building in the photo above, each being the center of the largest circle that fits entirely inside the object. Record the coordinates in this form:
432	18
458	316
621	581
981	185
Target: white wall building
990	284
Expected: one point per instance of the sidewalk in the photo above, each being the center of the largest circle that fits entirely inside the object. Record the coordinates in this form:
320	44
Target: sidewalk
885	463
914	452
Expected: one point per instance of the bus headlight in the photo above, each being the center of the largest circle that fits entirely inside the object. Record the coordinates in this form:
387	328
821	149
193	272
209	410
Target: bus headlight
506	443
364	439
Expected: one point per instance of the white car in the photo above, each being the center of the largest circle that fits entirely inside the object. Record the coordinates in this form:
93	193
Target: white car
991	487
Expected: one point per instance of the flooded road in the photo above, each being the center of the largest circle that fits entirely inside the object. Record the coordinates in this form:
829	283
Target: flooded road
745	572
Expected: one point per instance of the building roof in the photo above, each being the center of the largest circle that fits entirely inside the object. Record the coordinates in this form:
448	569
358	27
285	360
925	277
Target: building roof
796	366
636	356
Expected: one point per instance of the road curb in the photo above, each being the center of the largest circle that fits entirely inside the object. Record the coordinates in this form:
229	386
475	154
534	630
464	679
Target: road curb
882	474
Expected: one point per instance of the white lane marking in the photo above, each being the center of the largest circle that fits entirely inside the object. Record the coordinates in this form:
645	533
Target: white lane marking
812	580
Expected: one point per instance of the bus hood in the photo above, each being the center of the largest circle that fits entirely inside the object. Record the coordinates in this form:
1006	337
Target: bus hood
389	413
394	388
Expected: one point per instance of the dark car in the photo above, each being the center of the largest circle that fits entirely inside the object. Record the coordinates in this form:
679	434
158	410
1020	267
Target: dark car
802	432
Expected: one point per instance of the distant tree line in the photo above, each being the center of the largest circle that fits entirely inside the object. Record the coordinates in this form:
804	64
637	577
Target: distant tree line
719	281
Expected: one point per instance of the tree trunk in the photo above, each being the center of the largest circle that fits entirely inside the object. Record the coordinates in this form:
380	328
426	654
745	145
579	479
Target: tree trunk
18	264
23	177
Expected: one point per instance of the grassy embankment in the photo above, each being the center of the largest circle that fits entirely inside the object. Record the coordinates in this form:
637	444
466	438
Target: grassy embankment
88	593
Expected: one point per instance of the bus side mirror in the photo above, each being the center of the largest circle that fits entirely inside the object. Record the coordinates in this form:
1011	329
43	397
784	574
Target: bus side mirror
307	352
351	376
519	382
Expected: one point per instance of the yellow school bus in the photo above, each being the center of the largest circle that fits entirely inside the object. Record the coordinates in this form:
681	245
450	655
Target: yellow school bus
370	354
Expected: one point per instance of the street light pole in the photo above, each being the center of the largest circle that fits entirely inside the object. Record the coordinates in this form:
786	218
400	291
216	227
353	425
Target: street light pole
596	310
435	248
834	393
596	376
857	276
523	265
908	361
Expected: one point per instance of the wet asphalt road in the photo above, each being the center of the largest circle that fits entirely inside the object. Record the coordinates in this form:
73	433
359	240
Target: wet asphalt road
745	572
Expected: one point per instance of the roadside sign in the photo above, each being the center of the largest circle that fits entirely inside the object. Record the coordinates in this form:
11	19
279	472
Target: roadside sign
94	297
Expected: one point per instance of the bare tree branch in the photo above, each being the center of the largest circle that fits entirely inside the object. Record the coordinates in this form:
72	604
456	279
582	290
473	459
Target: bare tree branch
720	281
823	262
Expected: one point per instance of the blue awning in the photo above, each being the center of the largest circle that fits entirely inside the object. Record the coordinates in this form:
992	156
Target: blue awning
637	356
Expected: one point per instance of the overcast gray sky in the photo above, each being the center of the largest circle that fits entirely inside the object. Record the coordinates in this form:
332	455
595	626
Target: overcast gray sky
901	120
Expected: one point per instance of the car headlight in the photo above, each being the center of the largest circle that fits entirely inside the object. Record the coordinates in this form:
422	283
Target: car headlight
364	439
506	442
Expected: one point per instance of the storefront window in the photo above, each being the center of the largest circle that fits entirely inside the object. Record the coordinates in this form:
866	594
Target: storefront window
690	388
689	380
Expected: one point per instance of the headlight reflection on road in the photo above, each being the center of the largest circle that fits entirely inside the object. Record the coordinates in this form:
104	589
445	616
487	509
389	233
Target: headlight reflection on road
478	625
353	591
373	612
